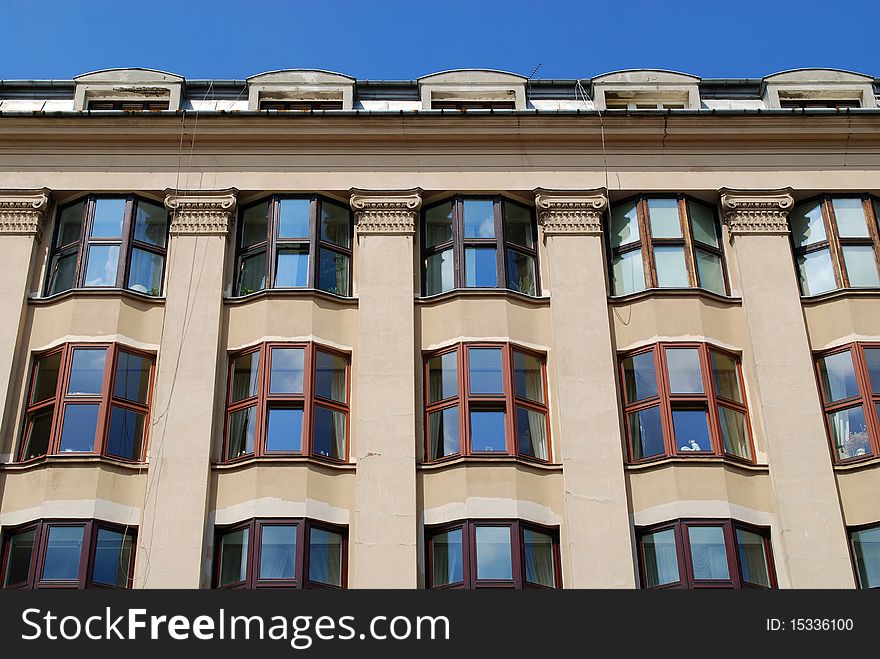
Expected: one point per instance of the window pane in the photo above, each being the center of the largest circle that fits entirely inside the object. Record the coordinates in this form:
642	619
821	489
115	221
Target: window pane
710	272
816	272
284	429
866	547
518	224
726	376
101	266
493	552
109	214
38	431
691	429
624	224
486	372
521	273
708	553
480	267
333	272
443	376
627	273
63	269
46	377
132	376
335	223
293	218
330	382
665	222
487	431
640	377
234	557
752	559
329	436
849	433
112	558
850	217
87	371
18	558
253	224
288	366
126	434
861	266
438	224
150	223
63	551
538	558
443	433
245	369
807	225
531	427
703	223
446	558
685	375
70	224
292	270
253	274
439	273
278	552
528	376
838	376
671	269
479	218
240	435
734	434
78	428
646	433
872	361
145	272
661	560
325	557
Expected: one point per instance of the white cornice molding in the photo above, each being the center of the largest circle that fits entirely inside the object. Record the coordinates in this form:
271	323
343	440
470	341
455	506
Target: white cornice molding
202	212
571	212
756	211
22	211
386	211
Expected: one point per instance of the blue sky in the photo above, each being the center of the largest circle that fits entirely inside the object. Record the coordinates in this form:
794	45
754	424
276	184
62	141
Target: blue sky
397	39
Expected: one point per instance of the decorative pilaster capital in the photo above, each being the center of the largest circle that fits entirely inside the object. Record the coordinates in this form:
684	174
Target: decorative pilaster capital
201	212
22	211
386	211
571	212
756	211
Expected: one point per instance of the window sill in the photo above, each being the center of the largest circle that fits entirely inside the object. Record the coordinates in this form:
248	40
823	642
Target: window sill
483	293
815	300
707	460
858	464
480	460
673	292
73	459
289	293
39	300
287	459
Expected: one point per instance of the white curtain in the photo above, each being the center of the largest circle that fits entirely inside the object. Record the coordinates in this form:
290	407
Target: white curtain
447	558
733	432
538	558
325	557
339	434
537	434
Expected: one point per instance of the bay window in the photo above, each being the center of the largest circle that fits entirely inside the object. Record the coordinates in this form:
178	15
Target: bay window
865	544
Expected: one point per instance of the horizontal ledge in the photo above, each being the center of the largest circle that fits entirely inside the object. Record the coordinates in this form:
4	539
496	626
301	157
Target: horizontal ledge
287	459
483	293
72	460
815	300
39	300
706	461
482	461
617	300
293	294
858	465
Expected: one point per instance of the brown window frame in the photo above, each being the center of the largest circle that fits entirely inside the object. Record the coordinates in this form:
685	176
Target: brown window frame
646	243
469	554
473	105
812	103
304	527
668	401
683	554
465	400
87	553
263	400
850	530
106	400
129	106
298	106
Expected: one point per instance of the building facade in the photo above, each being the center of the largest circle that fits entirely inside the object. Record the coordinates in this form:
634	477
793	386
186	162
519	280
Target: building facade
466	331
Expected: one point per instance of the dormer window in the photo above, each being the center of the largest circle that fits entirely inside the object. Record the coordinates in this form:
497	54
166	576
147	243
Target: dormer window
300	106
300	90
128	90
622	100
129	106
818	88
472	89
646	90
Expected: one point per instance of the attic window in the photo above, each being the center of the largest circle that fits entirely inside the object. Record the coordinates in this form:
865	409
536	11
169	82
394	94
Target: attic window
474	99
807	103
300	106
129	106
626	100
473	105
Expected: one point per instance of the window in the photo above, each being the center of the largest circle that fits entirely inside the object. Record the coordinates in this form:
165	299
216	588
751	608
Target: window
300	106
486	399
704	553
665	242
294	242
88	398
473	105
288	399
865	543
479	242
831	103
493	554
129	106
684	399
67	553
281	553
836	243
109	242
849	385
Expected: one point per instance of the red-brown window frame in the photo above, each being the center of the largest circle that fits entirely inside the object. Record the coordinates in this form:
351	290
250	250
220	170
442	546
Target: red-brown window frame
308	399
87	553
281	105
106	400
129	106
667	401
465	400
850	531
304	527
469	554
683	554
